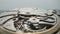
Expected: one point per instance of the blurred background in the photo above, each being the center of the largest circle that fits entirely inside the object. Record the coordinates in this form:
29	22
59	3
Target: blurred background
45	4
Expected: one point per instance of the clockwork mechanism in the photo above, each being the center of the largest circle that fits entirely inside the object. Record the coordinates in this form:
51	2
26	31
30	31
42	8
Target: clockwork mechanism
29	20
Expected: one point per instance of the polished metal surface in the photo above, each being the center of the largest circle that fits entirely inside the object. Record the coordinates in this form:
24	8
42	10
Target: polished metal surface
29	21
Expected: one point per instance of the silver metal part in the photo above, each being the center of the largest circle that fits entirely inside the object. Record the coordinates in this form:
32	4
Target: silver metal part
29	20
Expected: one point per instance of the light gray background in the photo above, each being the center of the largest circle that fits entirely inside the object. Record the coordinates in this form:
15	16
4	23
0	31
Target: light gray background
45	4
